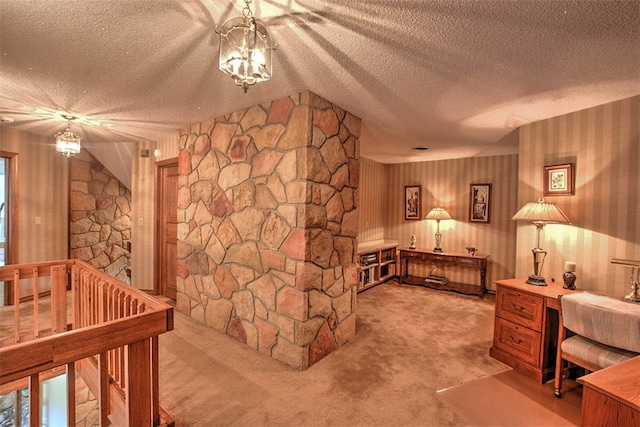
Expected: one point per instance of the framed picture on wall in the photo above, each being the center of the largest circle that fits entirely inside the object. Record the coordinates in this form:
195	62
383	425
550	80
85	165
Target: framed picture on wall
558	180
480	203
412	201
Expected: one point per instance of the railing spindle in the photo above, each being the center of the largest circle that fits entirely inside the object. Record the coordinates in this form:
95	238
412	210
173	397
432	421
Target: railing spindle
75	307
36	303
155	379
34	400
71	394
103	391
127	306
119	350
58	299
16	304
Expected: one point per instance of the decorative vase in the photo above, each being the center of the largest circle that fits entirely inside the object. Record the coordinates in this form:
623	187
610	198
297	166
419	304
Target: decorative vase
569	280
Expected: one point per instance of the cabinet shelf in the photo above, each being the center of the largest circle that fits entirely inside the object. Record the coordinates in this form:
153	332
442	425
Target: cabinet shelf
377	262
362	267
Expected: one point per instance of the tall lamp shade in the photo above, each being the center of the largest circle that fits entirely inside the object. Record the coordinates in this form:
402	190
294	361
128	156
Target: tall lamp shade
438	214
540	213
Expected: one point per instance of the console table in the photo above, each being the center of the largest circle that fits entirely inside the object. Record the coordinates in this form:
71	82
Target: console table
442	259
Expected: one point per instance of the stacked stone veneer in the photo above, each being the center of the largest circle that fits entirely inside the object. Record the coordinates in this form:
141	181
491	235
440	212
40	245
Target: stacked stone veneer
100	217
268	224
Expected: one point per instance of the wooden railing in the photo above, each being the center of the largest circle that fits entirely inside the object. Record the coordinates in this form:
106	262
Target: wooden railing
104	329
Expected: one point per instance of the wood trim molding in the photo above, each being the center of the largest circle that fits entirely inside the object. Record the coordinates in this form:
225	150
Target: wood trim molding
13	234
157	238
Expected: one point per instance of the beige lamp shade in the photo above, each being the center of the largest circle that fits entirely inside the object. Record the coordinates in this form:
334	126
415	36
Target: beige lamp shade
438	214
541	211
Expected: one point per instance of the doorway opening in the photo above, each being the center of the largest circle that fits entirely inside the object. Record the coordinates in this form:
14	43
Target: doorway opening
166	273
8	218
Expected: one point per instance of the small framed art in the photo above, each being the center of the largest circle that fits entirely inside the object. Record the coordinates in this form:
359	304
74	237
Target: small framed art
480	203
558	180
412	201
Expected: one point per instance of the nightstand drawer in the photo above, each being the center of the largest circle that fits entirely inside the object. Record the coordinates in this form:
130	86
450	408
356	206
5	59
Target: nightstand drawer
518	341
520	308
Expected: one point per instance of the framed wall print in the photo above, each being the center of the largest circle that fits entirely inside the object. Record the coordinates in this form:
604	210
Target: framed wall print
558	180
480	203
412	201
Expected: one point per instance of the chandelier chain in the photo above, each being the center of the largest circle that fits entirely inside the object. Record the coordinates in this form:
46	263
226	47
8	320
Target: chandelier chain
247	9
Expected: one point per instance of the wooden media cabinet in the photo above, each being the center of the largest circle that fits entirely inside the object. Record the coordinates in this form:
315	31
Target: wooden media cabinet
377	261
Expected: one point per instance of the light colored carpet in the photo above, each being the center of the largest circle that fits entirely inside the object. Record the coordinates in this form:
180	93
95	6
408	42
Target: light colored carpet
509	399
410	342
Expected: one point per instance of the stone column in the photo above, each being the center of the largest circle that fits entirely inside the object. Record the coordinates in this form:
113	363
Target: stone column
268	223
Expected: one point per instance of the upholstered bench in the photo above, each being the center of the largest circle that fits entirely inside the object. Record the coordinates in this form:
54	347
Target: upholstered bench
606	331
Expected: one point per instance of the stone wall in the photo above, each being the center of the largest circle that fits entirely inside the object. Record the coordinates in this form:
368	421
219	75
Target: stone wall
267	211
99	216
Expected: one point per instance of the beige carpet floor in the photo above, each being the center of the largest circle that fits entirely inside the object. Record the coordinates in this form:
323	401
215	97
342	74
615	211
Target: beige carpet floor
410	343
508	399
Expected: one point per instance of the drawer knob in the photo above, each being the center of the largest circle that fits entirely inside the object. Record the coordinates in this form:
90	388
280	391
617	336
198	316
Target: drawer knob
513	339
517	307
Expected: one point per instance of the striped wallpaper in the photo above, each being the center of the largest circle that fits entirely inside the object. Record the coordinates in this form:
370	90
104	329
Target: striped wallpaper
603	143
43	193
445	183
372	196
143	207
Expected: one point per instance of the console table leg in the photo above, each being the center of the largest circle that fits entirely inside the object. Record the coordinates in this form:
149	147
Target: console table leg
483	281
406	269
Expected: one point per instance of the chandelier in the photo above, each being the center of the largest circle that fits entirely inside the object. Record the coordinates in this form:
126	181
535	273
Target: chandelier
245	49
67	142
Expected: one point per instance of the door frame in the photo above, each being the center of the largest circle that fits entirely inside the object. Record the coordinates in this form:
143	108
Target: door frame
12	229
157	268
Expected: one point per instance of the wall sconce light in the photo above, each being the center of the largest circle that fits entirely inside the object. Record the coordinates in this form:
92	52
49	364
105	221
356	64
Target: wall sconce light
67	142
438	214
245	49
540	213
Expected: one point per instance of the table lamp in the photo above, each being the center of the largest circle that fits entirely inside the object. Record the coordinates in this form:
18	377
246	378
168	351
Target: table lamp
438	214
540	213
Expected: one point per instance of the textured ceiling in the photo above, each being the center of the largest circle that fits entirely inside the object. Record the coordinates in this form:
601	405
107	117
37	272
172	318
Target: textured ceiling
457	76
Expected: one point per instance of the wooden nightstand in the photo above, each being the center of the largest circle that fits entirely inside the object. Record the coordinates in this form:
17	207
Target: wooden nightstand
525	334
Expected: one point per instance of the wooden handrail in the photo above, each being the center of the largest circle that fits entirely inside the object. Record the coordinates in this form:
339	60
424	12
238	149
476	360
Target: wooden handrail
23	359
26	271
111	322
